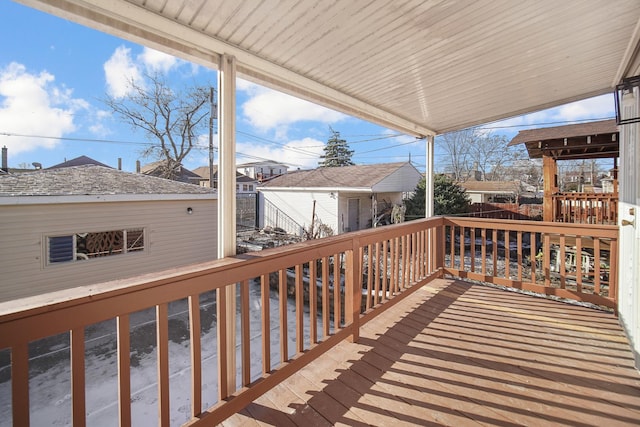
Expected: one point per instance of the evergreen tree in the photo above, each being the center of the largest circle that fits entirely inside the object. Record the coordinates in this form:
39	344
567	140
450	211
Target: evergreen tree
336	152
448	199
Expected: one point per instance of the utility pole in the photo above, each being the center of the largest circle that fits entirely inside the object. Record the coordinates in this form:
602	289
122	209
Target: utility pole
212	115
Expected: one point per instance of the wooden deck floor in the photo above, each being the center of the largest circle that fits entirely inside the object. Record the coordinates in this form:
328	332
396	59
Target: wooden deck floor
459	354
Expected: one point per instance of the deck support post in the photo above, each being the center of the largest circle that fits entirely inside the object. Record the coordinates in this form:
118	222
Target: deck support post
550	180
227	215
428	176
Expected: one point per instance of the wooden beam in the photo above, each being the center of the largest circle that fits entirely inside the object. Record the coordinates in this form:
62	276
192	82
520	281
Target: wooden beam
550	180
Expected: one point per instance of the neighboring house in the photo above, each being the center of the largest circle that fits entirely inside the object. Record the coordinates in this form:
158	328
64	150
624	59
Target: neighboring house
181	175
81	225
244	184
78	161
343	198
262	171
492	191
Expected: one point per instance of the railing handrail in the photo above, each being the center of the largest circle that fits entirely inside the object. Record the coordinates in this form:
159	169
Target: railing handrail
594	230
85	305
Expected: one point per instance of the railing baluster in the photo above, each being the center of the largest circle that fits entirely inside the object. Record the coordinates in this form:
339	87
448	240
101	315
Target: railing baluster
495	252
162	333
284	326
337	311
613	271
547	259
562	263
579	263
299	309
266	323
376	287
405	261
78	414
384	271
414	257
462	263
533	259
325	297
221	320
313	302
483	250
245	333
369	294
124	370
20	383
472	248
507	254
396	265
196	355
519	243
596	265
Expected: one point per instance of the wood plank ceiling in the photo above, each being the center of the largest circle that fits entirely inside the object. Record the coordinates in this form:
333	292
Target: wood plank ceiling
418	66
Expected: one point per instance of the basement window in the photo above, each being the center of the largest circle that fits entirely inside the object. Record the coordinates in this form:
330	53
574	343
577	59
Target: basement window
84	246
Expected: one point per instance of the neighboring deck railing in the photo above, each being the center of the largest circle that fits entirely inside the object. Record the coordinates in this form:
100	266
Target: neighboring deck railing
528	255
356	275
585	208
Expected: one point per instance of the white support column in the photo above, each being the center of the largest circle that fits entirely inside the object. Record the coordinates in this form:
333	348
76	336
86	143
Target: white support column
227	201
429	175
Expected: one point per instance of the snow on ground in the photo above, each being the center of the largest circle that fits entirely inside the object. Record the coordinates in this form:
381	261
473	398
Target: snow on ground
50	374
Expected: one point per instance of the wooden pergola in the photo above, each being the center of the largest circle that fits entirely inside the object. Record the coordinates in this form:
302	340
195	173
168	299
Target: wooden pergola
594	140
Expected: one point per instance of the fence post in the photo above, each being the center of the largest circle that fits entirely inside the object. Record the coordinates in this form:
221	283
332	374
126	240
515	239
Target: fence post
353	288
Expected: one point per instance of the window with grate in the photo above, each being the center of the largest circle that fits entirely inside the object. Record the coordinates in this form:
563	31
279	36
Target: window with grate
85	246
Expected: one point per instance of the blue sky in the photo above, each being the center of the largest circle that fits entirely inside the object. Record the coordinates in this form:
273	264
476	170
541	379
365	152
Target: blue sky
53	74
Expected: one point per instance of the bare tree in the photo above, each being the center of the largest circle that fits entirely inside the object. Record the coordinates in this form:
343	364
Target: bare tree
171	119
472	150
456	145
492	155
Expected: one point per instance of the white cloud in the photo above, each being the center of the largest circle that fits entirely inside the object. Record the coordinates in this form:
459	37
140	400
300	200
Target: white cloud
598	107
304	153
31	105
157	61
267	109
120	69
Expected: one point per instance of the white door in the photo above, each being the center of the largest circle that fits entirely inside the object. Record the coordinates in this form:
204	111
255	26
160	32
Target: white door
354	215
628	212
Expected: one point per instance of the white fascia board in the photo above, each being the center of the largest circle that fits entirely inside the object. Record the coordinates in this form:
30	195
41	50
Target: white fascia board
318	189
133	22
102	198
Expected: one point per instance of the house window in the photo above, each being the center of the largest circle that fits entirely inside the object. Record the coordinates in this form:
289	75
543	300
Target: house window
83	246
250	187
245	187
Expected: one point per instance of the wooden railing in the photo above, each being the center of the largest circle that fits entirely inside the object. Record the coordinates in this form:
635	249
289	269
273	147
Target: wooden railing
529	255
585	208
342	282
295	303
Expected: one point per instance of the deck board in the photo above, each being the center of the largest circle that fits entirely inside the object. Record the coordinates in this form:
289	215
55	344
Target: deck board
459	354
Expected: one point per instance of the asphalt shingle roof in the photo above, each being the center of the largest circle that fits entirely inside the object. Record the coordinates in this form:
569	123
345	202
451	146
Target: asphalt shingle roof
90	180
78	161
567	131
357	176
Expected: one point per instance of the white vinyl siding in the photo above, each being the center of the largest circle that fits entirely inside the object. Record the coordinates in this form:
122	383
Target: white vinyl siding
172	238
404	180
299	206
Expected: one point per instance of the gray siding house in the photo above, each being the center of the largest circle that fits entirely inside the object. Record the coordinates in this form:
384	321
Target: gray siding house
81	225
